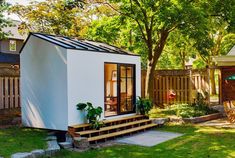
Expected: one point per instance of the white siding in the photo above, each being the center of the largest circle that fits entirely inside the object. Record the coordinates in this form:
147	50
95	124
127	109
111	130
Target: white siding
44	85
86	79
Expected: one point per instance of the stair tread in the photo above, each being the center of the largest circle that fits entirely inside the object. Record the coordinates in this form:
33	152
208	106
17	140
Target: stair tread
107	121
113	127
121	132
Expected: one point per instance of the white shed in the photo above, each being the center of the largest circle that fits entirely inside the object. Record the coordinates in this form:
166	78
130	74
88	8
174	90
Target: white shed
59	72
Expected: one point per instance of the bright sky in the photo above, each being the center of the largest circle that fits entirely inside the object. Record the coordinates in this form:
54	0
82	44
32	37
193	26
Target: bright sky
23	2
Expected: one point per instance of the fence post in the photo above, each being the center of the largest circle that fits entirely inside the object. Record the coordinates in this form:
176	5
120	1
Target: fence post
208	85
190	87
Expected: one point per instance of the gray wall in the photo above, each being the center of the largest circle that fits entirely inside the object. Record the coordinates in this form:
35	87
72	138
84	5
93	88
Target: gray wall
4	46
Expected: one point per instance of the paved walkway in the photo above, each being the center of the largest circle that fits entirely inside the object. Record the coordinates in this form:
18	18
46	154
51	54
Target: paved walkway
218	123
149	138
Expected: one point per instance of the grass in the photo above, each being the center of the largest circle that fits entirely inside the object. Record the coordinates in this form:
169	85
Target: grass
16	139
197	142
161	113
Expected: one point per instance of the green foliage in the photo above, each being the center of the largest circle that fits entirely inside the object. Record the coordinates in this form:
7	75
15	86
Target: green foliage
182	110
93	114
3	21
227	43
187	111
60	17
199	64
178	50
144	105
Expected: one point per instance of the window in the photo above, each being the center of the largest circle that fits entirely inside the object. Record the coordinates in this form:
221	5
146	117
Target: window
12	45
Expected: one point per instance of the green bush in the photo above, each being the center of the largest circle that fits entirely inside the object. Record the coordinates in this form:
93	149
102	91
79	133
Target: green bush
93	114
144	105
183	110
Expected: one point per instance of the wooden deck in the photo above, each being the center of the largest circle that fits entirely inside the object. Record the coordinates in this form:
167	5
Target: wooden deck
112	128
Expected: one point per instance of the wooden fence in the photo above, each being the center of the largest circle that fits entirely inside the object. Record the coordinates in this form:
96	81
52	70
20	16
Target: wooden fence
9	87
9	93
184	83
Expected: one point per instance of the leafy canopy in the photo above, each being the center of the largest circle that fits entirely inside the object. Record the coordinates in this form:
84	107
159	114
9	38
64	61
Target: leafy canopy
4	22
60	17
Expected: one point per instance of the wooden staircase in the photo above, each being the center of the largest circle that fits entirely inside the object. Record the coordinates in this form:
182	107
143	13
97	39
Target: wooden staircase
112	128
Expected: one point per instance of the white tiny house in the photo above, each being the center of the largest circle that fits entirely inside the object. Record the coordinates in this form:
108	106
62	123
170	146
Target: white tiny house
58	72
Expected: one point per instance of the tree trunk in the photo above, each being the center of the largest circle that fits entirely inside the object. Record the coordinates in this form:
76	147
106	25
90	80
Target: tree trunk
152	62
212	80
149	81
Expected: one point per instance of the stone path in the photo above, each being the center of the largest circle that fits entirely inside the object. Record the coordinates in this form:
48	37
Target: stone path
224	123
149	138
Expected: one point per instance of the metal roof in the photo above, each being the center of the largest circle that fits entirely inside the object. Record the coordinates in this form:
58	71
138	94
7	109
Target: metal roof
77	44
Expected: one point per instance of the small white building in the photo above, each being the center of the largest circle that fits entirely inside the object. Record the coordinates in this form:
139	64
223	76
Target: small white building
58	72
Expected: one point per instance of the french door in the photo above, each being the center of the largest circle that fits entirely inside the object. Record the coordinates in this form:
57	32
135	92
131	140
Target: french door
119	89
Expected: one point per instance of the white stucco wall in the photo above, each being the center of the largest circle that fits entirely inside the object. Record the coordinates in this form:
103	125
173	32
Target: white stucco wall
44	85
86	79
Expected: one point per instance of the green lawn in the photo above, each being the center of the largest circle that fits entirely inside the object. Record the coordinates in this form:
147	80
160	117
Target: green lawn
16	139
198	142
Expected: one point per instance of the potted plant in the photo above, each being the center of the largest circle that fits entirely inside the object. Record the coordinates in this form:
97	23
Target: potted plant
144	105
93	114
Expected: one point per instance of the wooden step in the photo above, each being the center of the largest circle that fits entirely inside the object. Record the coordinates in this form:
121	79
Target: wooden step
111	121
131	130
88	132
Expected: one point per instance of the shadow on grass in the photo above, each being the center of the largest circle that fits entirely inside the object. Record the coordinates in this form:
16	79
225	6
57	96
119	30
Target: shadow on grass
17	139
197	142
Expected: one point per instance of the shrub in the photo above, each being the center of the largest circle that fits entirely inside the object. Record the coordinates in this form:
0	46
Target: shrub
184	110
93	114
144	105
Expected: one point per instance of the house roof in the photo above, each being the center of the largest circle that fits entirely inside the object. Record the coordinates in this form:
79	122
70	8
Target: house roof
226	60
77	44
13	30
9	58
232	51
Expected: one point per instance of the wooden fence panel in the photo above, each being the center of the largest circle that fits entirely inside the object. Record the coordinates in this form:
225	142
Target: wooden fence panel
183	82
9	93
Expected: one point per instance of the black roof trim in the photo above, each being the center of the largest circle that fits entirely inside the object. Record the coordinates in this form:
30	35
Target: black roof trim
70	43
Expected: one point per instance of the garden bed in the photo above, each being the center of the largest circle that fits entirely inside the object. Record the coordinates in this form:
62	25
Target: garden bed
202	118
186	113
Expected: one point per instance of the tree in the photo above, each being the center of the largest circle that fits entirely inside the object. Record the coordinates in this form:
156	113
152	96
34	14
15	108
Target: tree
60	17
117	31
4	22
156	20
221	28
178	50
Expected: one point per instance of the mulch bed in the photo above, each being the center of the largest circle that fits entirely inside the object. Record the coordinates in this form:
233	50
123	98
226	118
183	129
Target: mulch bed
10	118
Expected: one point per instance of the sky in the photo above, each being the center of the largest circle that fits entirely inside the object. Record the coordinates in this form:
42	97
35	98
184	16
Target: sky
22	2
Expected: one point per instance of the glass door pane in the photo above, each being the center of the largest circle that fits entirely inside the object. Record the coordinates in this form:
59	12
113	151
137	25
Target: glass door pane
110	83
126	89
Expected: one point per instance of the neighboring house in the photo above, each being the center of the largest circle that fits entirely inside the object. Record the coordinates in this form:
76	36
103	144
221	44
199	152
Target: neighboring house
226	64
59	72
10	47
